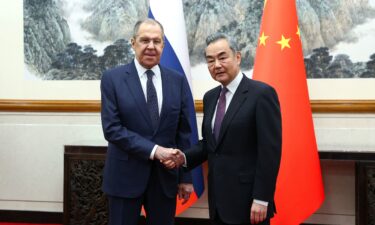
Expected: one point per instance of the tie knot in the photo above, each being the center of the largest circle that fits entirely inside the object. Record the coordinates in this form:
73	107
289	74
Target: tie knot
149	73
224	90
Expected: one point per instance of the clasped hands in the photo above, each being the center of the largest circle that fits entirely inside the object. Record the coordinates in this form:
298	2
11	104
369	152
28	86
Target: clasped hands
170	157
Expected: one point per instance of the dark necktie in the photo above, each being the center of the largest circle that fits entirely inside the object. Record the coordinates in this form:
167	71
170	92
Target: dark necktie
220	112
152	99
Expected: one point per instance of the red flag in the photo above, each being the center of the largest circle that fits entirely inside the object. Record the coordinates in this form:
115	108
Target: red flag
279	62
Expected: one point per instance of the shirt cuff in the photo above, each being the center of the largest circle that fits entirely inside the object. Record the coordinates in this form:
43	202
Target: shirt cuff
261	202
153	152
185	162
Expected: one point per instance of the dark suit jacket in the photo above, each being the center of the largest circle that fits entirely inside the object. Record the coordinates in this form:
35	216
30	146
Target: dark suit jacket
244	162
127	128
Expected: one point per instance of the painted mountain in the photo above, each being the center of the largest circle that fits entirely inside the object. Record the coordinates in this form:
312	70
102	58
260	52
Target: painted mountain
77	40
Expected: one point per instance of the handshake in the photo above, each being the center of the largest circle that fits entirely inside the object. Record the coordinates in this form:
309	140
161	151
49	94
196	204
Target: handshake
170	157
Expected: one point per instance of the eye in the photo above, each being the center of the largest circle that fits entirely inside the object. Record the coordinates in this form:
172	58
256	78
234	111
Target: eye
157	42
222	58
210	61
144	41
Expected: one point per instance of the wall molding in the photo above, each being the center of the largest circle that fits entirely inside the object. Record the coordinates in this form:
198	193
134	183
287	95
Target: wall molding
22	105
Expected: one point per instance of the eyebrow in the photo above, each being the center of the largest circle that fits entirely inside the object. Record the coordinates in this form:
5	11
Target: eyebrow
218	55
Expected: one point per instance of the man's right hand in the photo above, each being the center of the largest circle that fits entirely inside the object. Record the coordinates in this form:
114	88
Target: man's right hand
164	154
176	161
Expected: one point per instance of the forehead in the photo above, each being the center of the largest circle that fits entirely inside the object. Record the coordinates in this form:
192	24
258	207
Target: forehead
218	47
149	30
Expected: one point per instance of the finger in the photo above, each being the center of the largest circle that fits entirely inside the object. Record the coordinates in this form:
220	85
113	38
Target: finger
169	164
186	198
252	217
184	201
264	215
257	217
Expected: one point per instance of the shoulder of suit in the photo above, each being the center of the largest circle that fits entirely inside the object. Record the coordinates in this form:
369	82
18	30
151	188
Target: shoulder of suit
259	88
258	84
118	69
212	92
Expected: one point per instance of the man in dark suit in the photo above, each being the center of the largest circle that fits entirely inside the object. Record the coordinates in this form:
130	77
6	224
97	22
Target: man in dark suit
145	116
241	133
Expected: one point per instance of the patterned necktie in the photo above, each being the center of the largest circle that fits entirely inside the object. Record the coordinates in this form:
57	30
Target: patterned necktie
220	112
152	99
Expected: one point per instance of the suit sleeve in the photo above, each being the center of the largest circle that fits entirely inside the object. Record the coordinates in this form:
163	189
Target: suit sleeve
114	131
268	119
184	128
197	154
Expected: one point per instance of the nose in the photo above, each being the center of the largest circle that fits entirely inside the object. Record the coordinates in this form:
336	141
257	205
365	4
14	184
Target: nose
217	63
151	44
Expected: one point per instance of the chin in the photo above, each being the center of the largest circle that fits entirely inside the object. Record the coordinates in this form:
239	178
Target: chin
220	78
150	64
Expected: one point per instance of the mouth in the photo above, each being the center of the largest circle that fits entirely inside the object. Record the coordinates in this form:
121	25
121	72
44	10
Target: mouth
218	74
150	54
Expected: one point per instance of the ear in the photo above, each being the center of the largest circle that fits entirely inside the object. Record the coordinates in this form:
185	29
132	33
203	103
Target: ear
163	40
132	41
238	57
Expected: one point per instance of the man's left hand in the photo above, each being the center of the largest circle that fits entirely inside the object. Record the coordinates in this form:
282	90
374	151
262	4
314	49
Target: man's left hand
184	191
258	213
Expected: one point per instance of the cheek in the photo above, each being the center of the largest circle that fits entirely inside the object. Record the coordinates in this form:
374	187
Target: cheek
159	50
211	70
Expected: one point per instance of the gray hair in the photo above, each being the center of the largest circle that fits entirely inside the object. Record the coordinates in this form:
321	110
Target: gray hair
219	36
148	21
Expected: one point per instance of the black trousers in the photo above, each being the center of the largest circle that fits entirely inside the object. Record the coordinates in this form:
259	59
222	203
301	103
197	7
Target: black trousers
160	209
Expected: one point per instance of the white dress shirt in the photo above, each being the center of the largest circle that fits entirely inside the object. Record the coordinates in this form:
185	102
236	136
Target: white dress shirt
156	79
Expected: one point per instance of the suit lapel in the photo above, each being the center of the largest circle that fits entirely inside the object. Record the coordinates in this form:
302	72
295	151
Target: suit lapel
166	88
239	97
134	85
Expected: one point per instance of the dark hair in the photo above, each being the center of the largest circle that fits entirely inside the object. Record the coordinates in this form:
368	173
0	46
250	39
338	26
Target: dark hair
219	36
149	21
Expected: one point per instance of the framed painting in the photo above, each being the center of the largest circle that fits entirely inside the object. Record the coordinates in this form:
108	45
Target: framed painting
54	53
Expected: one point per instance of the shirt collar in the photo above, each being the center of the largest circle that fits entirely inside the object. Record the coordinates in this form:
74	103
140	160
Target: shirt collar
233	85
141	70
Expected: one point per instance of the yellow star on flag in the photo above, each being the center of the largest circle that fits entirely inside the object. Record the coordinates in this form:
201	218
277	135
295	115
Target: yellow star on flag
284	42
262	39
298	32
265	3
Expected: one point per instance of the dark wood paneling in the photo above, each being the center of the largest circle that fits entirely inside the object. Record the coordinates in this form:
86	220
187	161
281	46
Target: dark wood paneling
353	156
30	217
84	201
365	193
